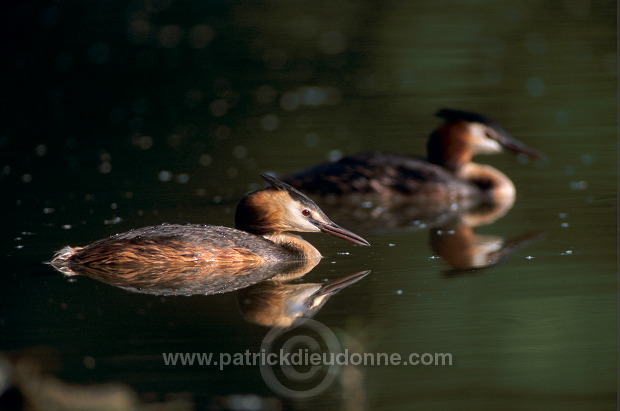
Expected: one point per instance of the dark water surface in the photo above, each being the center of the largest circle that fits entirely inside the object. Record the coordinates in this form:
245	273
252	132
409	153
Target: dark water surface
118	115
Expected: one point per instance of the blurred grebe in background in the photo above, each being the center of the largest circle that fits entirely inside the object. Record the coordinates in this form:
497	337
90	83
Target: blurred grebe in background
446	173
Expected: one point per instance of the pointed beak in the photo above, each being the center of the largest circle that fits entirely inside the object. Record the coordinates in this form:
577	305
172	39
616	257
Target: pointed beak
337	231
512	145
333	286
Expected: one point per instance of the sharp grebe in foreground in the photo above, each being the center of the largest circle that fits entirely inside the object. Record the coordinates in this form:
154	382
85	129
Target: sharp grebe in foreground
447	172
262	221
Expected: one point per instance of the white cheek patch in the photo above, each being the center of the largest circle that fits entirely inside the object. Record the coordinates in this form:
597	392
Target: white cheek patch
296	219
481	143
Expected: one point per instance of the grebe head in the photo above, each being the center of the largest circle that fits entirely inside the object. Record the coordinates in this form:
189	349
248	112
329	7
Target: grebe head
465	134
280	207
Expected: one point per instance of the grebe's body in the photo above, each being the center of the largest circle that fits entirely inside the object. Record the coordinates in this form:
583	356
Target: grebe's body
260	237
447	172
179	244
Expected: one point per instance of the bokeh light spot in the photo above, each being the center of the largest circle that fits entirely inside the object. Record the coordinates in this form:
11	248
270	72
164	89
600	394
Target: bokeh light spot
205	160
200	36
240	152
270	122
170	35
165	176
535	87
218	108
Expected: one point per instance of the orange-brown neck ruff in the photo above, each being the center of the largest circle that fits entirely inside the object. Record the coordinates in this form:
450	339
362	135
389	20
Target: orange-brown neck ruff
262	212
448	146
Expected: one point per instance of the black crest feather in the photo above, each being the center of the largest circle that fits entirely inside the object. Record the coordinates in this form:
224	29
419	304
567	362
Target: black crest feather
294	193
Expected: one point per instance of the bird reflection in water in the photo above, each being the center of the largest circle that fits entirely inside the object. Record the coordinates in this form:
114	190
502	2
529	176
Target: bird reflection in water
451	228
276	303
191	279
266	294
464	251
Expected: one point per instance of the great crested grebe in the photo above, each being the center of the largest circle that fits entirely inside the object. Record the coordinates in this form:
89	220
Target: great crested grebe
262	221
447	172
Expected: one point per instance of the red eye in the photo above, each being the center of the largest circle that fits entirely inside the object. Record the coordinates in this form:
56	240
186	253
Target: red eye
305	212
